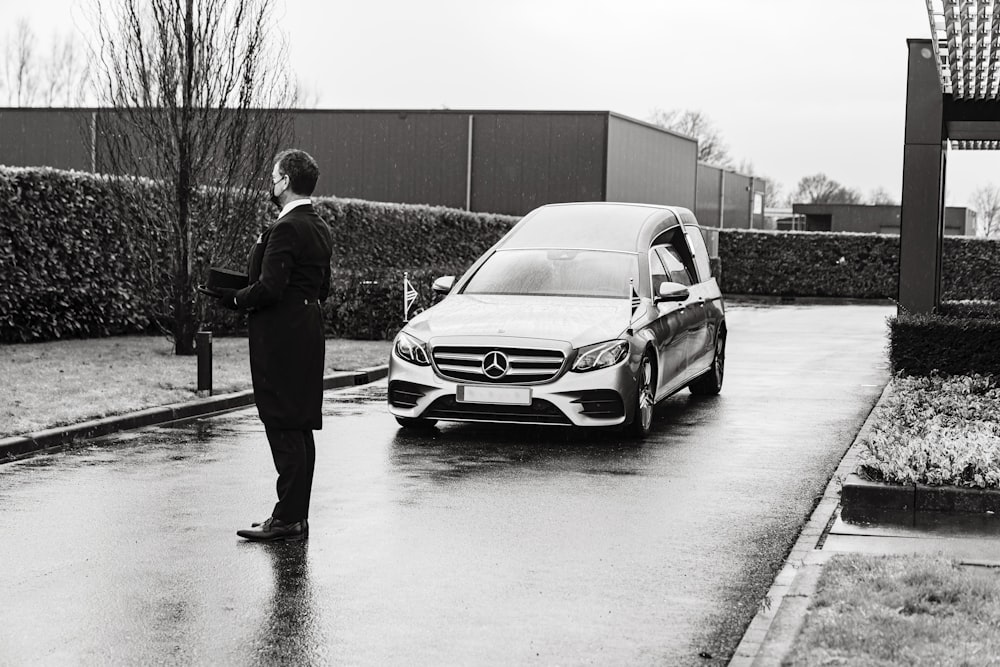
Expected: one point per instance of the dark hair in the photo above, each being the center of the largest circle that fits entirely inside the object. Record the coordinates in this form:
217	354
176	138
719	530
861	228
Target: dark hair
301	169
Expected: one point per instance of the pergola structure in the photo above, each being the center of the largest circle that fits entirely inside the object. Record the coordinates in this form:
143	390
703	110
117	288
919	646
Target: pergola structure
952	91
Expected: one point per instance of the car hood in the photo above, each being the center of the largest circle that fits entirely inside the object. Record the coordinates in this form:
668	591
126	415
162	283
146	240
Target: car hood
579	321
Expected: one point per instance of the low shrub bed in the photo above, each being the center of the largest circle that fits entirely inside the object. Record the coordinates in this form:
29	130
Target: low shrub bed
961	338
936	430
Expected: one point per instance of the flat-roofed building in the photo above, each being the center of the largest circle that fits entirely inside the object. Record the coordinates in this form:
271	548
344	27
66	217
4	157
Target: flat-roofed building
875	219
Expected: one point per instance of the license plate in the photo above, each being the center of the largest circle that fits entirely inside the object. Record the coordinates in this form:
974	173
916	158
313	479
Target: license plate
496	395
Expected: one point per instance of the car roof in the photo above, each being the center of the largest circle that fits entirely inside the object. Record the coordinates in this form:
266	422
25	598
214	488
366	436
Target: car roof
598	225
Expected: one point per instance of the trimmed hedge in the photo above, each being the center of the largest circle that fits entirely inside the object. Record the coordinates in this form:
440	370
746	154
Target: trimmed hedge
962	339
848	265
68	272
66	268
809	263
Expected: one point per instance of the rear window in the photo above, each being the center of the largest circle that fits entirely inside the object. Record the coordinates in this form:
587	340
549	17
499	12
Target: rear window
556	272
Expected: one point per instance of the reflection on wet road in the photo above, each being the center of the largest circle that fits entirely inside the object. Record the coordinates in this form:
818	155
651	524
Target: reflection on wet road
464	545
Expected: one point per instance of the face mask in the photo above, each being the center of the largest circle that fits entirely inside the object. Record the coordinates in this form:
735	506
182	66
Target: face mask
274	198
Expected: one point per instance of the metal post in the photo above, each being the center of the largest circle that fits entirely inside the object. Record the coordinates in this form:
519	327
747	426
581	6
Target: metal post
722	197
468	168
922	207
203	345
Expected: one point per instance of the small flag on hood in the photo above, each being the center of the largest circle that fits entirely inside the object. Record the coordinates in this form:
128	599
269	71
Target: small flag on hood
409	296
636	302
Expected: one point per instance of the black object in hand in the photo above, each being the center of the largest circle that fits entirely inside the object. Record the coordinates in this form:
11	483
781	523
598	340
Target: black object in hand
227	297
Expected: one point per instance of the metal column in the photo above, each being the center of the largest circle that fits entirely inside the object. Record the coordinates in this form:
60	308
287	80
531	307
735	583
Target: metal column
922	214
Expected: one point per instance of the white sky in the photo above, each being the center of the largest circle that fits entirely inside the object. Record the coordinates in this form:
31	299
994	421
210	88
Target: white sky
795	86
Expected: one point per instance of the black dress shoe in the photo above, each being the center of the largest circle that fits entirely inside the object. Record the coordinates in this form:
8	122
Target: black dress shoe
276	530
305	525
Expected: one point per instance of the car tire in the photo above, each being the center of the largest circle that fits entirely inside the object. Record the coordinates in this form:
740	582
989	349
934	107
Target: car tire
710	383
416	422
642	416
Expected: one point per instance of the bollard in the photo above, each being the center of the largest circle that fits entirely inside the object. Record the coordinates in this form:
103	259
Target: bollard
203	345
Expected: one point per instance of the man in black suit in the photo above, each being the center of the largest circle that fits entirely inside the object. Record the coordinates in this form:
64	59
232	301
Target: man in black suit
289	279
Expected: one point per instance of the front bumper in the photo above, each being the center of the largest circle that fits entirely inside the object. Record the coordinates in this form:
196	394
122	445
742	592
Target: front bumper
596	398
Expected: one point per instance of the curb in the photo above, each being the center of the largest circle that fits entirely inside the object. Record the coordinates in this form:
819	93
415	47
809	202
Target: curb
20	446
771	633
861	494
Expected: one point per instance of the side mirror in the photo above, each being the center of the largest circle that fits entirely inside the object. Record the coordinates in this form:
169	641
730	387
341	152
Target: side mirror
672	292
443	284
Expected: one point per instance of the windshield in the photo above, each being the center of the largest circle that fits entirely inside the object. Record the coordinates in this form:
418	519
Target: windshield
555	272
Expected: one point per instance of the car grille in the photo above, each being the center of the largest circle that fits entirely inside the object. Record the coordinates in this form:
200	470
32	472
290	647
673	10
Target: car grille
525	365
539	412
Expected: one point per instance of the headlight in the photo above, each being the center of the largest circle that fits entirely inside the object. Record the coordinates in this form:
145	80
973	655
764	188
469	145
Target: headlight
602	355
410	349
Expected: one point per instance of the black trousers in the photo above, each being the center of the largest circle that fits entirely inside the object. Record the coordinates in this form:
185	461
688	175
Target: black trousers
294	454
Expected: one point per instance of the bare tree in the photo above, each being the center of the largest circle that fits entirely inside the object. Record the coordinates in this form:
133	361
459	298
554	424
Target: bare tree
306	97
64	74
198	94
986	200
820	189
881	197
20	67
711	148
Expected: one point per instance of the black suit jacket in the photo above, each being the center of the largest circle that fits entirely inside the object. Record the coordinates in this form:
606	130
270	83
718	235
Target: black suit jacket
289	278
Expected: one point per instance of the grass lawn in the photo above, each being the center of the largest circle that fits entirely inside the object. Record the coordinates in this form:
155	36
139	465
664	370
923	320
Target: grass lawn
64	382
901	610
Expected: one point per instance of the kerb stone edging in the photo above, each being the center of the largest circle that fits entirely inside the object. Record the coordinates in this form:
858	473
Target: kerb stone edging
19	446
773	630
861	494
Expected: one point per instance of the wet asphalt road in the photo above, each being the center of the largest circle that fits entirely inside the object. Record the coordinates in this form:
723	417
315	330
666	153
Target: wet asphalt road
470	545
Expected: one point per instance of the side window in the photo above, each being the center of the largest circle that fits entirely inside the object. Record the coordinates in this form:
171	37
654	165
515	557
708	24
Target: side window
676	269
675	240
657	274
700	252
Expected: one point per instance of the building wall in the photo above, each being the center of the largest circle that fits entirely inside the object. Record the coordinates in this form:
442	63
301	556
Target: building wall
523	160
58	138
649	165
408	157
518	160
959	221
881	219
736	201
726	199
708	193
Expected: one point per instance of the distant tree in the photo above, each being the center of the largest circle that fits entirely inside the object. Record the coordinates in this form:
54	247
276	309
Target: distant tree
711	148
306	97
820	189
986	200
64	74
200	92
20	69
881	197
28	77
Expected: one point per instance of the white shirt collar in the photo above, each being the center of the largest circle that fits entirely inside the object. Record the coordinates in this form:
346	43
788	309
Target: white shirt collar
292	204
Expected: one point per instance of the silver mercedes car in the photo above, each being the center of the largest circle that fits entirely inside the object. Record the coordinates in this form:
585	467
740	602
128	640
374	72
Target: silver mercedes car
584	314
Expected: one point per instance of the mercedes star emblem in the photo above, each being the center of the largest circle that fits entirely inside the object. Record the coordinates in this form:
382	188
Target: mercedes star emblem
495	365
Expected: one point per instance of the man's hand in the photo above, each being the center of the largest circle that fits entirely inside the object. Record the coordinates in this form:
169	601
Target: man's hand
227	298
